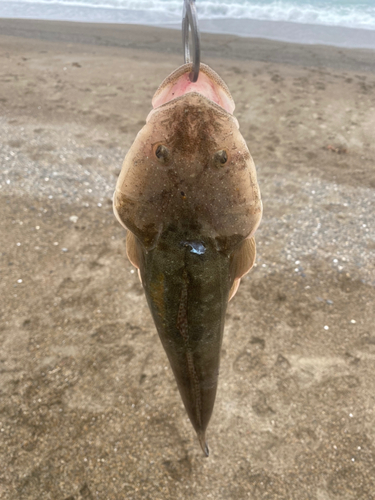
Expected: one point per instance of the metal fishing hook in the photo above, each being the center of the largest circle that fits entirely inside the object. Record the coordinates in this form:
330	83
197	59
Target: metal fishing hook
190	19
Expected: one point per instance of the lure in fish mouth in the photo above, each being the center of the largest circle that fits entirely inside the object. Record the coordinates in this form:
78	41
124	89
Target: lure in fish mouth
189	198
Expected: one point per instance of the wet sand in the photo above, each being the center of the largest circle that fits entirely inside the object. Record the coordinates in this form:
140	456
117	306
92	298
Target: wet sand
89	408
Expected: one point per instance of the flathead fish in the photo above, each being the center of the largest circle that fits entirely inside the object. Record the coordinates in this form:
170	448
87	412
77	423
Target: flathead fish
189	198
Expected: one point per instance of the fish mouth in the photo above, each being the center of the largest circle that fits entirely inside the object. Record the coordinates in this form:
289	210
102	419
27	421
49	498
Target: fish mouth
209	85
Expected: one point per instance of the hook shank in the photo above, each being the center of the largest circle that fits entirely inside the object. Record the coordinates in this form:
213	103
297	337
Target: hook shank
189	19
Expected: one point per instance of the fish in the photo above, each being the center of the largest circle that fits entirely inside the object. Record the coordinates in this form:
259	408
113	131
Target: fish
189	198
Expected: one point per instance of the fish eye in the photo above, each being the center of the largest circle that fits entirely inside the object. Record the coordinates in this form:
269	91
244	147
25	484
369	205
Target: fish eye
162	153
220	157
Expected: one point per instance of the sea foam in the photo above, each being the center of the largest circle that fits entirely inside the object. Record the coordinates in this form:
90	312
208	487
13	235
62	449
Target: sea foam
346	13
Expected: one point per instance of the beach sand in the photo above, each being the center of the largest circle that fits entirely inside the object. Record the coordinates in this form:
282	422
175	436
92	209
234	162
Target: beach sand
89	407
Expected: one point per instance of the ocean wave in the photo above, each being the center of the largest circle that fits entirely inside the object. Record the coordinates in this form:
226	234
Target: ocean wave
348	14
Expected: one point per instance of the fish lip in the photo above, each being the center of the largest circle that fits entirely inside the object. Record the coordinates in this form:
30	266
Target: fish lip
209	82
194	93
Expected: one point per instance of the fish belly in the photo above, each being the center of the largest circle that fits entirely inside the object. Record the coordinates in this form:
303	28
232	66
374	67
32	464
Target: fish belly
187	283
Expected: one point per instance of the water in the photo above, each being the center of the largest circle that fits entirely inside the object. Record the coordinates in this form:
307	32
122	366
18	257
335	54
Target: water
215	15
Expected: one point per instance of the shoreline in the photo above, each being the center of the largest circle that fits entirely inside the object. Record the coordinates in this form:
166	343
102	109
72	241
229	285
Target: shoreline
164	40
283	31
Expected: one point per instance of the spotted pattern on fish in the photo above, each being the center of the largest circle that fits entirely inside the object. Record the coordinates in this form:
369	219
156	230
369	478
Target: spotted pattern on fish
182	321
183	328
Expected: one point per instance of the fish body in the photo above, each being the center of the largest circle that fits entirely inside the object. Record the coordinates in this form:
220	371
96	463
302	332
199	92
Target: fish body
189	197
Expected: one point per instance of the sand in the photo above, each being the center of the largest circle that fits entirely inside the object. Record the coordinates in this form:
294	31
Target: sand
89	408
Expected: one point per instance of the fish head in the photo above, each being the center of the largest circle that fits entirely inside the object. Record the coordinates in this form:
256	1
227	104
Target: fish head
190	162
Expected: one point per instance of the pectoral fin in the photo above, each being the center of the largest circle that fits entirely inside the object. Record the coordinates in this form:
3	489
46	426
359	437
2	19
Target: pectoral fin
242	261
134	251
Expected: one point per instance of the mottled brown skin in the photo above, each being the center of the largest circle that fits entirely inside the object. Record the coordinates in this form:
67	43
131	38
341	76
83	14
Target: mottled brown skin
191	211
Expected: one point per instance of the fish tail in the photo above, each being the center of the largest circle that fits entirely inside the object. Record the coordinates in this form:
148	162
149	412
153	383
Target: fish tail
202	442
